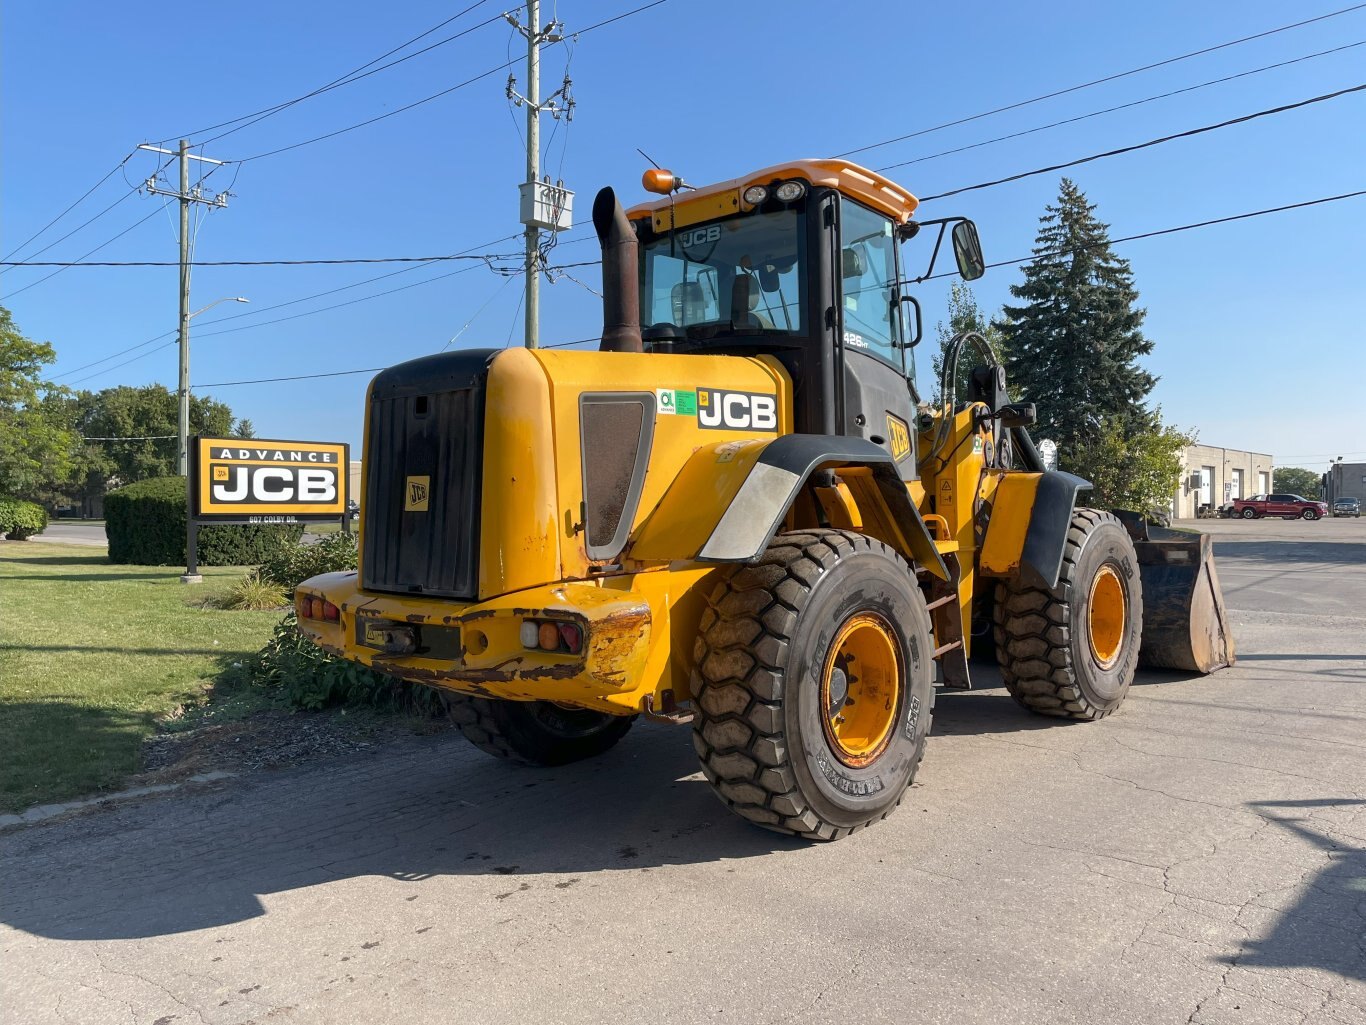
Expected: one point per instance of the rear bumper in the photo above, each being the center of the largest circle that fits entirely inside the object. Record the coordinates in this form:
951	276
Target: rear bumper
476	648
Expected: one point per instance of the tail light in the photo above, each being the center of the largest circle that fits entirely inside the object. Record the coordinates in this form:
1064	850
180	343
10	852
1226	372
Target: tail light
310	606
552	635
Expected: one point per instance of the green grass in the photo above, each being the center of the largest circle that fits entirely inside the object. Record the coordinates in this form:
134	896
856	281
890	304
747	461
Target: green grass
92	655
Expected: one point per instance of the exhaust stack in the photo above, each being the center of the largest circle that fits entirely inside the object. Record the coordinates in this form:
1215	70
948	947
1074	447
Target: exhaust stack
620	281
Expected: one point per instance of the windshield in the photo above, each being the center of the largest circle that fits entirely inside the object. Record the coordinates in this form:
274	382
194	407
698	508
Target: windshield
737	276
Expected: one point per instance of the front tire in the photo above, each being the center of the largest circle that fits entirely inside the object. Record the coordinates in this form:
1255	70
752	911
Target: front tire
1071	650
534	732
813	683
1249	513
1309	514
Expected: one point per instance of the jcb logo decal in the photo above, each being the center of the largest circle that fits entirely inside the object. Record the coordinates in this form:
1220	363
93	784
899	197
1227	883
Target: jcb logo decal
417	492
898	437
736	410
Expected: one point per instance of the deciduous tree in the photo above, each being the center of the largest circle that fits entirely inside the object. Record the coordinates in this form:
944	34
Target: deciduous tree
34	446
1296	480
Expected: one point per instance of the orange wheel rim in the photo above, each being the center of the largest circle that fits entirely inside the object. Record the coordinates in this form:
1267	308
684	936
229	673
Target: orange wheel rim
860	690
1107	616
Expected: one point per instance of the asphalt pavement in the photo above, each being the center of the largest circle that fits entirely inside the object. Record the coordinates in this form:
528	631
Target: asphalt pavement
1199	857
74	533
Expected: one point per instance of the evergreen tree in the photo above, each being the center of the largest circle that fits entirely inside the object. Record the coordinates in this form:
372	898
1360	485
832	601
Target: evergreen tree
1074	342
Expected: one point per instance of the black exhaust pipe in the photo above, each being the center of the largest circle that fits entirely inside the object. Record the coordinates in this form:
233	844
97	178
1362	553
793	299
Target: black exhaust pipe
620	275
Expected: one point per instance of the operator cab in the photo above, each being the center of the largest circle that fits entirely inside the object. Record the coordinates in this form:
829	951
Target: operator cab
801	262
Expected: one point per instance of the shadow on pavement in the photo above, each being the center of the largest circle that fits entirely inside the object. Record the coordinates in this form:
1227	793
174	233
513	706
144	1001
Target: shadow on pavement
437	808
1326	928
431	808
1344	552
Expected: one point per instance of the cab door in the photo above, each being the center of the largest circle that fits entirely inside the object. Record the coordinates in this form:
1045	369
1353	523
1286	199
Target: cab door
875	397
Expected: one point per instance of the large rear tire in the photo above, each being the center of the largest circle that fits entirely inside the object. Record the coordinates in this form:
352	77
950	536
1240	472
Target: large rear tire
534	732
1071	650
813	684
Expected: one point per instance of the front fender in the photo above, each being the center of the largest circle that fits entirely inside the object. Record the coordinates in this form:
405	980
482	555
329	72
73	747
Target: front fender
1030	517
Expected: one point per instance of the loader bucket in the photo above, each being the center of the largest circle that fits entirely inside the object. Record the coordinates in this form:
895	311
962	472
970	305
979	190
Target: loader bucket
1185	624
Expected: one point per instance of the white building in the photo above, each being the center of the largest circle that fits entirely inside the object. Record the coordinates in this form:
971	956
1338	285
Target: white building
1215	476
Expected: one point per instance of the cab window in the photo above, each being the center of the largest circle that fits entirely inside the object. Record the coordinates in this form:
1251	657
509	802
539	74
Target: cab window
870	322
738	276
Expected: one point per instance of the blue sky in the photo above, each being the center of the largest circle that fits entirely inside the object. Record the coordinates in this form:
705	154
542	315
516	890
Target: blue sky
1255	322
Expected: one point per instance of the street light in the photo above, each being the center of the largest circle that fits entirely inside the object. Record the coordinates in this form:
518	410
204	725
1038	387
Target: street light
225	299
183	417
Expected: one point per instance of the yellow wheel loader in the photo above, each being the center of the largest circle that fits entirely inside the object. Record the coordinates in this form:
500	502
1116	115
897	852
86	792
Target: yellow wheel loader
740	515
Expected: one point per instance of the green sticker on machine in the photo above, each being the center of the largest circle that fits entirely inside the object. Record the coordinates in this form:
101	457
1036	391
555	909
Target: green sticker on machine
676	401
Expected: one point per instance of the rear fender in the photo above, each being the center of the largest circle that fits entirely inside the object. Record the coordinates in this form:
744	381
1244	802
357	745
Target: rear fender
729	500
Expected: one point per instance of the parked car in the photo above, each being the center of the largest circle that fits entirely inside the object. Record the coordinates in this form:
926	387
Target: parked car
1289	507
1347	507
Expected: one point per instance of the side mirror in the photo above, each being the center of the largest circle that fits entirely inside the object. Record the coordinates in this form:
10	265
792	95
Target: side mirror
917	326
967	250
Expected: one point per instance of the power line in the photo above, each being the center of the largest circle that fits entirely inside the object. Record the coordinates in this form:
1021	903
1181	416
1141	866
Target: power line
132	189
1002	263
444	92
258	312
356	77
145	437
348	373
77	262
264	323
1101	81
265	263
351	76
1151	142
337	306
1122	106
1164	231
113	171
112	355
940	195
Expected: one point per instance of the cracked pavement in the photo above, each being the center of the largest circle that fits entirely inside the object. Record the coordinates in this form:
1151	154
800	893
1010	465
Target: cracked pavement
1199	857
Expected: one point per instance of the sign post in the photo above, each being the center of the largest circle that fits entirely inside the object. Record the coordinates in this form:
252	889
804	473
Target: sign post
251	481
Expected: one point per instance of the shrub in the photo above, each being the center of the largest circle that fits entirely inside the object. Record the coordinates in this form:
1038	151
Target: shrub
20	519
145	524
291	563
254	593
305	676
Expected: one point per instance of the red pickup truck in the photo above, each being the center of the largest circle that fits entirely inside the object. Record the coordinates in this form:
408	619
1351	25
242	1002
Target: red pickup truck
1288	507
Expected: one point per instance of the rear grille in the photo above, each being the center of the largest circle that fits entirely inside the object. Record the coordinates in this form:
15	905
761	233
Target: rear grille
424	456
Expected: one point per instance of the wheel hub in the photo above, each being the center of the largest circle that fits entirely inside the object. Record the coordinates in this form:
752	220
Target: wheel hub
1106	616
861	689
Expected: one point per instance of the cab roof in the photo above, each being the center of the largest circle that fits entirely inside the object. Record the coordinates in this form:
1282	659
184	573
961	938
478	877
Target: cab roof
722	198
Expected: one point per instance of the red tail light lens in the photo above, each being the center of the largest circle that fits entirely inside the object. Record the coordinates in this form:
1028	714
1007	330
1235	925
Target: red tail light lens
307	606
572	637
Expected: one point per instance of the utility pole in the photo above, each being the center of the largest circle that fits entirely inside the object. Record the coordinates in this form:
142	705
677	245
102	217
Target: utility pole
543	205
186	195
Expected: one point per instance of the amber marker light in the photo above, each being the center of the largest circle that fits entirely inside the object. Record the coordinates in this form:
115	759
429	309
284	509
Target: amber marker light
660	181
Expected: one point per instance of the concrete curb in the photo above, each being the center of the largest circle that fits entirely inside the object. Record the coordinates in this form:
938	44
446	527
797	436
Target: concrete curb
43	812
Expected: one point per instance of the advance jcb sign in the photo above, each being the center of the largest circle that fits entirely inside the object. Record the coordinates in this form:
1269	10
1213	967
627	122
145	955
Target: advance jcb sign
253	481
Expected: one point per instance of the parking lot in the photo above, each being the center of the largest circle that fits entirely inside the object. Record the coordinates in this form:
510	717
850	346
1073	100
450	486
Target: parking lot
1199	857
